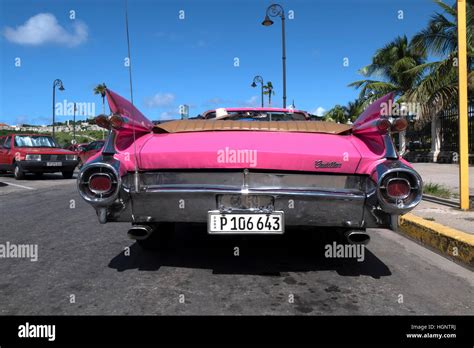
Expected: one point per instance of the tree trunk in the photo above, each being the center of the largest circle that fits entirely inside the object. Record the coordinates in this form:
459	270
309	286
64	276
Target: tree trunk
435	138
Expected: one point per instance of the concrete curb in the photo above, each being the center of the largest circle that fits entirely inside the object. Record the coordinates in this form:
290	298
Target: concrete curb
454	244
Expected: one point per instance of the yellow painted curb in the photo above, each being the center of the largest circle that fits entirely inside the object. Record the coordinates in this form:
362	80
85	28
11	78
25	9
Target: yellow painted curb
449	241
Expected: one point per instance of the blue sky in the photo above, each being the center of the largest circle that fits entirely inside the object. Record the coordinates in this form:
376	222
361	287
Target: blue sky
190	61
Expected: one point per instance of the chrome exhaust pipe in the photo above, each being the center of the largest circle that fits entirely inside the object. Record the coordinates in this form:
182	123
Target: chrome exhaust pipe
357	237
139	232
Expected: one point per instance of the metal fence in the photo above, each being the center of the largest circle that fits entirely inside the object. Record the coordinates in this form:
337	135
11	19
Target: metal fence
449	124
420	139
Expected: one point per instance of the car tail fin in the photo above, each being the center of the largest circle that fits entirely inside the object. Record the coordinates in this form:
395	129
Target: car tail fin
375	119
374	126
125	116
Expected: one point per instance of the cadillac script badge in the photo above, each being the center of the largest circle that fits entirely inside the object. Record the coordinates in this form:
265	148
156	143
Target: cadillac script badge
322	164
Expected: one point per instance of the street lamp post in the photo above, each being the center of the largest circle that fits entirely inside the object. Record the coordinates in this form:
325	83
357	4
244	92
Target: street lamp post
277	10
258	79
56	83
464	200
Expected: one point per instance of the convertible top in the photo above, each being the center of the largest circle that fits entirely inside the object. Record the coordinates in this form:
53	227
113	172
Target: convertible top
183	126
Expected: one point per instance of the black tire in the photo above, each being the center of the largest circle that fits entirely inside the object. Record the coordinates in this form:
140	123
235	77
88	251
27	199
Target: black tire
18	173
159	238
68	174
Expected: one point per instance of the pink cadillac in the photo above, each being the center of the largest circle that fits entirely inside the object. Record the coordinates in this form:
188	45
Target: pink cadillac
249	171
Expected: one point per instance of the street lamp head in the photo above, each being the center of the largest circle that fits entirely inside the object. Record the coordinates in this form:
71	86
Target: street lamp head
58	83
267	21
253	84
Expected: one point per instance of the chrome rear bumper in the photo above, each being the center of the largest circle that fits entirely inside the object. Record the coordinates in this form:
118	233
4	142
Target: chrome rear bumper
306	199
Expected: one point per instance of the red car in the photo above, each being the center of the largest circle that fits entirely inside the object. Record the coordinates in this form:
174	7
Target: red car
90	150
76	147
35	153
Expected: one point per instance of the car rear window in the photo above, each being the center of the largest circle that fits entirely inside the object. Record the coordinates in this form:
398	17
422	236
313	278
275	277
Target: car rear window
34	141
259	116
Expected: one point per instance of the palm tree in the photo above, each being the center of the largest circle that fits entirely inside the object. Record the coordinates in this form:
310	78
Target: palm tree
354	109
337	114
268	90
345	114
439	87
393	66
397	64
100	89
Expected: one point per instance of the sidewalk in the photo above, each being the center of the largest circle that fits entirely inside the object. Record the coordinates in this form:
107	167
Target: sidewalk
444	215
446	230
445	174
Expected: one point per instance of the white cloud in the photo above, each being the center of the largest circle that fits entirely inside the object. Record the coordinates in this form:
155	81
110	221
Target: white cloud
252	102
166	115
216	101
160	100
319	111
44	28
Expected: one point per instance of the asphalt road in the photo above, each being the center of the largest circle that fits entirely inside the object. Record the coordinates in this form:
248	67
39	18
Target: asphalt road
82	268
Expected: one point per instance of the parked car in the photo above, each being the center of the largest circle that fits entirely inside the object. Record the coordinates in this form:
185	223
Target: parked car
89	150
35	153
247	171
77	147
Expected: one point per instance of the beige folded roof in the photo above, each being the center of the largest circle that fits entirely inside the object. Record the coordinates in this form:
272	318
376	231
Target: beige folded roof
181	126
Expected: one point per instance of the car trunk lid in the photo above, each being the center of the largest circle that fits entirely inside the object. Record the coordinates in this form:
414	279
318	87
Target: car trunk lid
285	151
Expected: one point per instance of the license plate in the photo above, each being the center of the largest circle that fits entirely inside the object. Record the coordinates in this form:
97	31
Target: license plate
54	164
236	223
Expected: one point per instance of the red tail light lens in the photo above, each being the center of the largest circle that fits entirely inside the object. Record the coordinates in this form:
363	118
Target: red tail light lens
383	125
102	121
398	188
116	121
100	183
399	125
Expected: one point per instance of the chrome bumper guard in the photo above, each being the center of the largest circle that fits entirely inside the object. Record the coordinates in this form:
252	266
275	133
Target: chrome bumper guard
311	199
305	199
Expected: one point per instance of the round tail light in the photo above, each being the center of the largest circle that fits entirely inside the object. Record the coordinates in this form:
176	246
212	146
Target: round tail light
398	188
116	121
102	121
399	125
100	183
383	125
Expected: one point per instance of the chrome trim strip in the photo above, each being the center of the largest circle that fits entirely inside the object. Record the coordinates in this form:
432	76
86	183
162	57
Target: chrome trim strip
390	150
109	147
245	179
349	194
